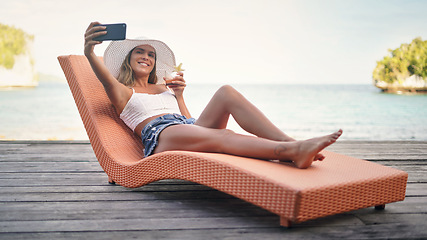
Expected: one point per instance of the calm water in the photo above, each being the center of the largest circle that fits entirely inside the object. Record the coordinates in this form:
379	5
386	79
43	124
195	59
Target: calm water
48	112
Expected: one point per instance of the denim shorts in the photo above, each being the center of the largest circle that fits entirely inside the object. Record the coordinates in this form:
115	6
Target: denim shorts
150	133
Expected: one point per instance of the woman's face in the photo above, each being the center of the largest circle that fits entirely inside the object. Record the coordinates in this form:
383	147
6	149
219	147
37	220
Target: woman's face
142	60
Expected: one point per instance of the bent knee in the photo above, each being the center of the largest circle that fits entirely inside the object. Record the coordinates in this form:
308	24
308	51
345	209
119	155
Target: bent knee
226	89
228	94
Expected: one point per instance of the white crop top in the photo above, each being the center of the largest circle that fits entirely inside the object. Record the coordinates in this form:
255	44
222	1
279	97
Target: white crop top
143	105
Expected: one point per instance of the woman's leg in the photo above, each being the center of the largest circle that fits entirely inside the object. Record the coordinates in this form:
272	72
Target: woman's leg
227	101
201	139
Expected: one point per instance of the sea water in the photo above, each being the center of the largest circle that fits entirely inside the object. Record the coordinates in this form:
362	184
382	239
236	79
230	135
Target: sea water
48	112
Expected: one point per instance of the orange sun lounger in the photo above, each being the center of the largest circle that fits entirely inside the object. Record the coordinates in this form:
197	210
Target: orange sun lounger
338	184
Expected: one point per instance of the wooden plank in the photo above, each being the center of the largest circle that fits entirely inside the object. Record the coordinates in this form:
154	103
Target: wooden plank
171	209
174	209
346	227
126	206
40	167
45	152
65	179
384	150
400	162
106	189
135	224
395	231
416	189
44	157
109	196
393	218
409	205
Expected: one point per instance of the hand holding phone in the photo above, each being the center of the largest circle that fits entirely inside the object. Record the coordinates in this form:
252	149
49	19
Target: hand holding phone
115	32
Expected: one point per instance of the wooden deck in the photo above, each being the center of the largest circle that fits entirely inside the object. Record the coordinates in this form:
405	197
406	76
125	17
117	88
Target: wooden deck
57	190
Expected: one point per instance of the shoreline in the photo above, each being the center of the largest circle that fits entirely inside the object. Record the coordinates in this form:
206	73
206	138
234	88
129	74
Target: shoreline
403	90
49	113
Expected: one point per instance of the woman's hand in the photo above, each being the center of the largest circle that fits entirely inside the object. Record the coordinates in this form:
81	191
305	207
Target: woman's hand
177	84
92	32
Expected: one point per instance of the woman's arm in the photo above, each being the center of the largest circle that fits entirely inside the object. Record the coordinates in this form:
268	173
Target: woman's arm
178	85
118	93
182	107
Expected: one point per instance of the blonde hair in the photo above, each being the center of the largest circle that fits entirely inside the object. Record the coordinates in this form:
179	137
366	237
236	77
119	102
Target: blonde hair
126	73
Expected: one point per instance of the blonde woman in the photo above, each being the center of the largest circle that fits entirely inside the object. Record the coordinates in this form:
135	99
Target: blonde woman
157	113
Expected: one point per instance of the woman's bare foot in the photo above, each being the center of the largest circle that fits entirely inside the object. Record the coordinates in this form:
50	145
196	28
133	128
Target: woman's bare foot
318	157
308	150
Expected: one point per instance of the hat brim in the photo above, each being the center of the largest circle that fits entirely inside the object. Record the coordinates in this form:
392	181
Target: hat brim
117	51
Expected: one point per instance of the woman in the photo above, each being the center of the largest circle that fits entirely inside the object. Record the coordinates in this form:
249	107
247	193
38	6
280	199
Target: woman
164	123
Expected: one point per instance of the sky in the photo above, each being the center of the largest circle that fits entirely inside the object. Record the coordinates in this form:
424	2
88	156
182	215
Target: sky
225	41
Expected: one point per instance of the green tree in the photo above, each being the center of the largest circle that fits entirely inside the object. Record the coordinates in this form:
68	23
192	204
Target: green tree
13	41
405	61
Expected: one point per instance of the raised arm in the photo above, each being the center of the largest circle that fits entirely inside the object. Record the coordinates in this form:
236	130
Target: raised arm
118	93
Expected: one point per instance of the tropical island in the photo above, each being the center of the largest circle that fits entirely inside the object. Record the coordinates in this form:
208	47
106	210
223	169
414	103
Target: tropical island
16	60
405	71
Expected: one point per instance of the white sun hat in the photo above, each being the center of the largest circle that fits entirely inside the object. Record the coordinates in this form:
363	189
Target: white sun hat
117	51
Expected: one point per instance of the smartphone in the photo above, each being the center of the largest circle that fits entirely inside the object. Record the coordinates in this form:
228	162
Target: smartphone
116	31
